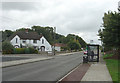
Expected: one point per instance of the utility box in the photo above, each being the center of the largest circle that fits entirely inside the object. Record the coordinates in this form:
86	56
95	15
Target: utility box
92	54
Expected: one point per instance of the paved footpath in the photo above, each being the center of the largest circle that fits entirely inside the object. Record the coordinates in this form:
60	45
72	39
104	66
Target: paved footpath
91	72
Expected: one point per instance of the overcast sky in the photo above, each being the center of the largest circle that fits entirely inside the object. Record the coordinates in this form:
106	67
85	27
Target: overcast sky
81	17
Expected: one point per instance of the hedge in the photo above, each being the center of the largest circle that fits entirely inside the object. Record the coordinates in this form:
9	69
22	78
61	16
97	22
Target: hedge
29	50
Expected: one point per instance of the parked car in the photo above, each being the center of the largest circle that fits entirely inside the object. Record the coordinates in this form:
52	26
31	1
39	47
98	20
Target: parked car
85	52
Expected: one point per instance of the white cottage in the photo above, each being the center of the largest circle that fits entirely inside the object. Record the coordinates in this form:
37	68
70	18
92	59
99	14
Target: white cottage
58	46
24	39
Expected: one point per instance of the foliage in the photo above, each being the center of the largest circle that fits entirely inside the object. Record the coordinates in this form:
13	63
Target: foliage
35	52
74	45
7	48
107	55
72	37
111	32
6	34
29	50
23	29
47	32
18	51
50	35
64	48
81	41
32	50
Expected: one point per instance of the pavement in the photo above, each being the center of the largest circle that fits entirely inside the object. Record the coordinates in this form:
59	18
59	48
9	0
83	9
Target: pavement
32	58
89	72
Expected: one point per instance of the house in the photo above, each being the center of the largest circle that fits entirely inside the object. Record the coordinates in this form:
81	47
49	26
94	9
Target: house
58	46
23	39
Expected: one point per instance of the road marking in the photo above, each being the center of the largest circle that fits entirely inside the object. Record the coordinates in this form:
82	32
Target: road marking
68	73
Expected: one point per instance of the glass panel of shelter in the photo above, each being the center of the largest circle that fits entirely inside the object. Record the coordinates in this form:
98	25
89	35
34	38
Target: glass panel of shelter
93	53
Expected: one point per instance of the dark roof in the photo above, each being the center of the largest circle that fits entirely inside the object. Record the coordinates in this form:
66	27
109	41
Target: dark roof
59	45
26	35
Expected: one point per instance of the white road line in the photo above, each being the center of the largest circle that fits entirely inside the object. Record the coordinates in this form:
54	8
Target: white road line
68	73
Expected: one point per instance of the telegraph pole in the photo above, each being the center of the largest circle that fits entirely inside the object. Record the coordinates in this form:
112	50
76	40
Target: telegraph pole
54	40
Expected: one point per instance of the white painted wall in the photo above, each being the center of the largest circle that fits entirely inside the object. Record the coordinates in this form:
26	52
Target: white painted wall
57	48
48	47
13	41
46	44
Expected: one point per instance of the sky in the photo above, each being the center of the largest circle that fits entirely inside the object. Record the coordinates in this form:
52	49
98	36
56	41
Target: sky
80	17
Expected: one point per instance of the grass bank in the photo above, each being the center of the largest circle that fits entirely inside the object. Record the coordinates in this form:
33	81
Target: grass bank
113	66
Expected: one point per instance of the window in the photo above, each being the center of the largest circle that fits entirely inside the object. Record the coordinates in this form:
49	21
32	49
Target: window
24	41
16	40
34	41
42	41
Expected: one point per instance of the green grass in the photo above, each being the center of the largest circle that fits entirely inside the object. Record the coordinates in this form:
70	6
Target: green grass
107	55
113	66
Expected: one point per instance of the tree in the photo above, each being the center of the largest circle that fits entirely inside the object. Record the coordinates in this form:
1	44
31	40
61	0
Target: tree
110	34
23	29
72	37
46	31
74	45
7	48
81	41
6	34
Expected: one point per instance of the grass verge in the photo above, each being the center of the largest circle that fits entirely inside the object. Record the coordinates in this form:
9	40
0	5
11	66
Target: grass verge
113	66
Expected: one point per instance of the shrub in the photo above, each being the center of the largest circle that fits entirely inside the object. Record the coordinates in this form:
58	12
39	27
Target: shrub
27	51
36	51
7	48
19	51
32	50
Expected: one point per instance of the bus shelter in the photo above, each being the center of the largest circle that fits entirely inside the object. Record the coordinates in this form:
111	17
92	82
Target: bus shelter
92	53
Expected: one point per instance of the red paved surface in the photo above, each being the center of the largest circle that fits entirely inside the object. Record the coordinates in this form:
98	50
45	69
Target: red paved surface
77	74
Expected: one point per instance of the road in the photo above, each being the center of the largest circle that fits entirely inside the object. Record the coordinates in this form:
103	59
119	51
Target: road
5	59
47	70
15	57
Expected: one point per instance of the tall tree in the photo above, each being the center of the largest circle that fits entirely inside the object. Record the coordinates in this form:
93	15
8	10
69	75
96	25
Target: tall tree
46	31
110	34
6	34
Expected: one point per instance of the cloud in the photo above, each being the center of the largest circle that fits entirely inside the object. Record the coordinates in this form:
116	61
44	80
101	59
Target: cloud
22	6
68	16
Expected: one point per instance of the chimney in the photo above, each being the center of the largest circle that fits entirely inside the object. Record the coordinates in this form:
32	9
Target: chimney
41	34
26	30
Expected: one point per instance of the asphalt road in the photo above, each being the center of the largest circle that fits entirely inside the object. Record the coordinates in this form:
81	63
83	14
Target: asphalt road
47	70
5	59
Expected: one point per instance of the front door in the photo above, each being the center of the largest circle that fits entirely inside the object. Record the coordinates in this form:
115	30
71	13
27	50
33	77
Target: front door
43	48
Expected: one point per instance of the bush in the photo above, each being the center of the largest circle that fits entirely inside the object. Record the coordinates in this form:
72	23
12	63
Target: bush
27	51
32	50
19	51
7	48
36	51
